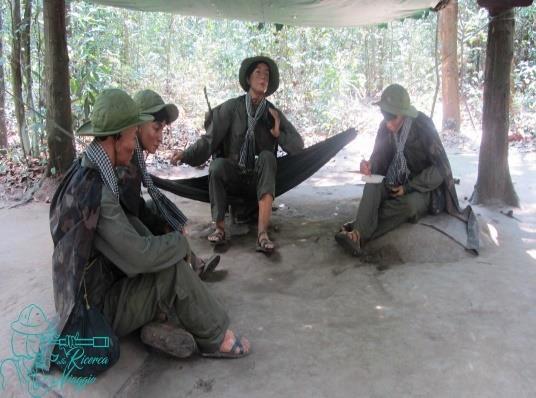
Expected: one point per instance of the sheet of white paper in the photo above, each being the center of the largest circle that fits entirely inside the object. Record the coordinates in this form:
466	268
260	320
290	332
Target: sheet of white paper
372	179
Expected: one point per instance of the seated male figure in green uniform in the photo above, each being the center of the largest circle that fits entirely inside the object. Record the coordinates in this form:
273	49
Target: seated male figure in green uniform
409	153
129	274
158	213
244	133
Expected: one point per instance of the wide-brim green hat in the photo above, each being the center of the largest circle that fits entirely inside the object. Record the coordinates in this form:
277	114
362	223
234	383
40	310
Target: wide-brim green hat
395	99
113	112
151	102
273	84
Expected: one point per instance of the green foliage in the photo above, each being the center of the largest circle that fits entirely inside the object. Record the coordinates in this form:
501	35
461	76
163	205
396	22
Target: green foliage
93	53
326	73
323	70
525	57
177	56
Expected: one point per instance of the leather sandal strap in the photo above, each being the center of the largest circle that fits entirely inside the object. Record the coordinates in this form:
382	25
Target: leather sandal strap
218	234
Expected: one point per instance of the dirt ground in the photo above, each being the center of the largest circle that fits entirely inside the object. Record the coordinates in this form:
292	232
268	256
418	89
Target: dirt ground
423	318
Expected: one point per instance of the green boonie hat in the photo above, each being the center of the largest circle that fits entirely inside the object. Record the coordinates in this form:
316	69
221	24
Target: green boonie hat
150	103
395	100
273	84
113	112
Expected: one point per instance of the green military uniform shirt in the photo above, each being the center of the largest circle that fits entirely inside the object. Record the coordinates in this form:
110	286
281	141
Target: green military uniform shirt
424	175
226	133
378	212
139	273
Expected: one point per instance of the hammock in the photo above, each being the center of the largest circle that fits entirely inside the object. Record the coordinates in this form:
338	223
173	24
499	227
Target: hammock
292	170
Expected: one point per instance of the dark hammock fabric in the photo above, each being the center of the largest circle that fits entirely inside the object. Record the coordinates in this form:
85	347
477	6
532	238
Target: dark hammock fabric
292	170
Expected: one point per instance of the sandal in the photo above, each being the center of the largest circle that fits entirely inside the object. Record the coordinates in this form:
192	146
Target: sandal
237	351
351	246
347	227
217	237
264	245
168	338
206	267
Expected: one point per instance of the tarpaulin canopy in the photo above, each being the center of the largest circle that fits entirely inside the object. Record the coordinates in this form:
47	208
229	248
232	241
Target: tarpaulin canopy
325	13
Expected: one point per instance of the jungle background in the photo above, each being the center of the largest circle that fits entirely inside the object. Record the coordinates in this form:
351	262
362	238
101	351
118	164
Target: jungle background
329	76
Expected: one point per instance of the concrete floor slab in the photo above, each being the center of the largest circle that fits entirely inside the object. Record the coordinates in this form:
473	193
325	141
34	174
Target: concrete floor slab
323	324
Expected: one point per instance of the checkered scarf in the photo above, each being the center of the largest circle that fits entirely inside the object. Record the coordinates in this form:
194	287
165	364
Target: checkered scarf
398	172
100	158
247	151
173	216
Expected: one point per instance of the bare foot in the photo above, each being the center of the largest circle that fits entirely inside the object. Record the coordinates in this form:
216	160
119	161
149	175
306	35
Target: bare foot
264	244
230	340
350	241
217	236
354	235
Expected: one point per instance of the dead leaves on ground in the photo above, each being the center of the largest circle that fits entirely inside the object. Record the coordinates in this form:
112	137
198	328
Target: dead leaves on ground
16	176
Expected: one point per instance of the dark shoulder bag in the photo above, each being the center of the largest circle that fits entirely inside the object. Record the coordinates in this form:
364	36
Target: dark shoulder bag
88	345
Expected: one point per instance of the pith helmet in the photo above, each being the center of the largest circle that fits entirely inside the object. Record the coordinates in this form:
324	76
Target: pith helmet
273	84
113	112
151	102
395	100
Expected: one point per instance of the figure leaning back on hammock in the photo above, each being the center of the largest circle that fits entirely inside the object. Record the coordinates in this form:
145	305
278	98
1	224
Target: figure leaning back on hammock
243	134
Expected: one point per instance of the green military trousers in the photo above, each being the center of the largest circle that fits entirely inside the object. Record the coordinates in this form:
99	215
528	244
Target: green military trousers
379	213
177	291
226	178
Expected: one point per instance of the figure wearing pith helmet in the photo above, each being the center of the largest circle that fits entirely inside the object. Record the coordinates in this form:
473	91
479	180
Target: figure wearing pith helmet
158	213
128	274
243	134
418	178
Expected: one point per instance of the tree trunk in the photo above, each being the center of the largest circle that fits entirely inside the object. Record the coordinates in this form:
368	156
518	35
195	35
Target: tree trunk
381	61
169	49
58	97
372	57
27	73
17	75
448	20
436	68
494	184
68	17
368	79
3	127
40	103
